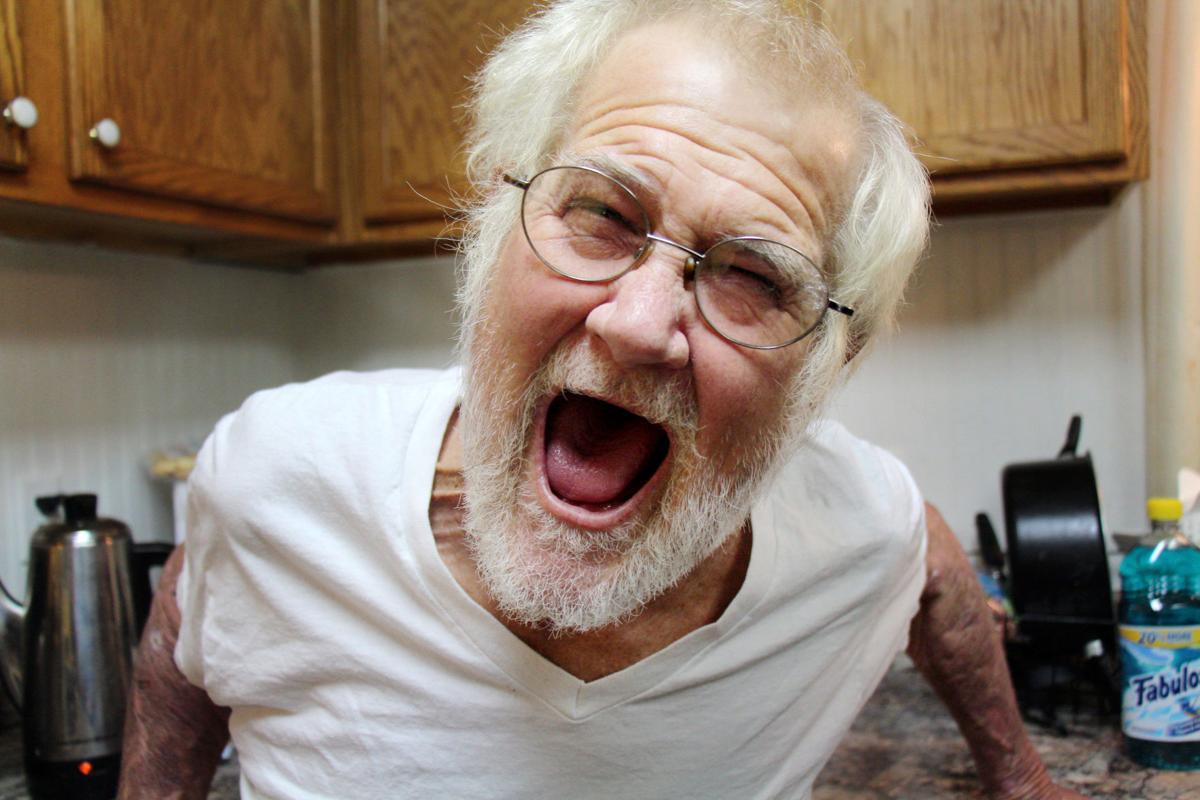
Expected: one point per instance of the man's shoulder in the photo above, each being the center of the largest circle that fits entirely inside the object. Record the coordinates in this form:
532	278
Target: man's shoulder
345	427
834	452
849	478
347	384
336	401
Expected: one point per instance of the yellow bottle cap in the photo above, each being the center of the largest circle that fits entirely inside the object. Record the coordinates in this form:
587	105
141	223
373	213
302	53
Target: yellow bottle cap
1164	508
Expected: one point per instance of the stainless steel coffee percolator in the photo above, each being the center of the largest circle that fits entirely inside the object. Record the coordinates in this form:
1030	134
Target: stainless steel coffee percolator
68	652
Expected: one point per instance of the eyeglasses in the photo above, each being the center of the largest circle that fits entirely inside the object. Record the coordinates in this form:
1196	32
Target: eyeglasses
589	227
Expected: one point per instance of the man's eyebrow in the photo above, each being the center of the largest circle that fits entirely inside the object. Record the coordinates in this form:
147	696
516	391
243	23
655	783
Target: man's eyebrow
645	188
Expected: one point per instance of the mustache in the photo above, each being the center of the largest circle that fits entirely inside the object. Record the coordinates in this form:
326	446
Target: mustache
663	398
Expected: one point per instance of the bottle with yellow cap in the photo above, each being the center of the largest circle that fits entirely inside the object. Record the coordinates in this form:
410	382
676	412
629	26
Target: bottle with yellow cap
1160	643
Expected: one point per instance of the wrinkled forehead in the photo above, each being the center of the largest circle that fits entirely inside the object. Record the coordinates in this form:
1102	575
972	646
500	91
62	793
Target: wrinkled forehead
674	96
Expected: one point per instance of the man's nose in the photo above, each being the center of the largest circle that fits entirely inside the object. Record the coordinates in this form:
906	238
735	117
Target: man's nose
640	318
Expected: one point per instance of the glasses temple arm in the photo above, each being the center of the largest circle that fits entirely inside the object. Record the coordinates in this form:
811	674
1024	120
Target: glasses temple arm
841	309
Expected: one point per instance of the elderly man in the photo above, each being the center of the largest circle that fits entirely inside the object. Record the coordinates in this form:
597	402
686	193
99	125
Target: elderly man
616	555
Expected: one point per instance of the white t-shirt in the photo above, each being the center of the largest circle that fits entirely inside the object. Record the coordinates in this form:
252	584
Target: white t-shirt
316	606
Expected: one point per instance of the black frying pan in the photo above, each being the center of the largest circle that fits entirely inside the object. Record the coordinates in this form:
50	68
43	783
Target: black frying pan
1058	567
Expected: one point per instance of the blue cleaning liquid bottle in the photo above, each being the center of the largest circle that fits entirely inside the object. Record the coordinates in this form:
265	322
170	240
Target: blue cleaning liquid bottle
1160	644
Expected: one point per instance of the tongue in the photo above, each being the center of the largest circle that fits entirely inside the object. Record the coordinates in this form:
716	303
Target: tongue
597	453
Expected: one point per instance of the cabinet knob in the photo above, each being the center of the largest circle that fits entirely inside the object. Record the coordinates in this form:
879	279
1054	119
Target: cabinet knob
106	133
21	112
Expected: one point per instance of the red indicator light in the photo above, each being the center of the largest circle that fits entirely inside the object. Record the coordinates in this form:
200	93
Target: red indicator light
85	767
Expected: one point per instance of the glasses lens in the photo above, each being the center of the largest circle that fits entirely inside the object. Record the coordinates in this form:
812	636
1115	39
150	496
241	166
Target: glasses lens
760	293
583	224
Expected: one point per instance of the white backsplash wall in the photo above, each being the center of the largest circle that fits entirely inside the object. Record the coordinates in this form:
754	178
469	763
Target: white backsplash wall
1014	323
106	356
374	317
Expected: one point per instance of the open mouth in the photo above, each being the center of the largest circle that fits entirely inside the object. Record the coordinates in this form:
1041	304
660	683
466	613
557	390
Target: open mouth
597	460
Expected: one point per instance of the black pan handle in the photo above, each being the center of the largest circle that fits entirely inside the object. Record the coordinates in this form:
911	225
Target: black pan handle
989	546
1069	447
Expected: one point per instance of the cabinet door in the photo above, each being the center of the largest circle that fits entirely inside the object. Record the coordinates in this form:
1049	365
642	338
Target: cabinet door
994	84
217	101
13	153
413	62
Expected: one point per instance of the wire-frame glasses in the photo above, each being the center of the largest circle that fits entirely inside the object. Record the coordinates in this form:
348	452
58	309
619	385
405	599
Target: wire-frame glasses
587	226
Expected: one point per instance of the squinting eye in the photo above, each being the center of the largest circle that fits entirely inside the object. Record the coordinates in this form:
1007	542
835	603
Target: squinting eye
767	284
763	276
597	208
602	219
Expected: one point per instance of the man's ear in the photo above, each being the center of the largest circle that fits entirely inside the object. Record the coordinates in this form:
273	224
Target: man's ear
854	345
498	173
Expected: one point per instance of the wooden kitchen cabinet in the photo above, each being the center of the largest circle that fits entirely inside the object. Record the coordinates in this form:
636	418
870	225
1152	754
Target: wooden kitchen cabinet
1013	103
294	132
1008	99
13	152
223	115
218	101
279	131
407	74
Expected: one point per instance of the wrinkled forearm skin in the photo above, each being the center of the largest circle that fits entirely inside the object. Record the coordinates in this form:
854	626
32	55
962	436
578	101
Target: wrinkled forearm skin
958	649
174	733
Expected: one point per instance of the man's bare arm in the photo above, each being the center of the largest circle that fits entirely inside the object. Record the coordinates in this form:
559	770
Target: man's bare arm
958	649
174	733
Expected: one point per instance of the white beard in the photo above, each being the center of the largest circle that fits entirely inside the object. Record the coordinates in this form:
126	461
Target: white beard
543	571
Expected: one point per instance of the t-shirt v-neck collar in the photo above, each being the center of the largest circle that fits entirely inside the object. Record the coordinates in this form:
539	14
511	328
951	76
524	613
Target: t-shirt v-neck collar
571	697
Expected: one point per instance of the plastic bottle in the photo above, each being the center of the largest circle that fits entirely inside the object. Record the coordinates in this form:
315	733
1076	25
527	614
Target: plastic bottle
1160	644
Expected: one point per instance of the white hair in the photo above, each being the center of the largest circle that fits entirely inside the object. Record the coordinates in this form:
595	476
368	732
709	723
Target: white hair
524	100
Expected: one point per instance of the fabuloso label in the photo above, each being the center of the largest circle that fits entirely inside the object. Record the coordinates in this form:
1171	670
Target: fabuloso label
1161	697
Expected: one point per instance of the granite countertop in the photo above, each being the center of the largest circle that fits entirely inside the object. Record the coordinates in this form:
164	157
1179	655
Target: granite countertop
904	746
